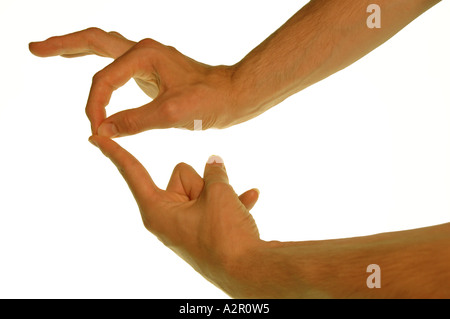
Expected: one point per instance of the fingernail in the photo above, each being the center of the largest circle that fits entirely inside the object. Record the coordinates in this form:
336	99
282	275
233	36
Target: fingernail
108	130
215	159
257	190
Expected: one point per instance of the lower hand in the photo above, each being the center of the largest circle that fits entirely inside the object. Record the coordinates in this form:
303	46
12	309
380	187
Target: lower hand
201	219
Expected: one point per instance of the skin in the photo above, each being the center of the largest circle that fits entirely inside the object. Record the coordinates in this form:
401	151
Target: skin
208	225
182	89
201	218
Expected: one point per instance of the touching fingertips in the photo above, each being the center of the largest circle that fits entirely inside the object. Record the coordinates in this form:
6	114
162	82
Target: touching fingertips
108	130
92	141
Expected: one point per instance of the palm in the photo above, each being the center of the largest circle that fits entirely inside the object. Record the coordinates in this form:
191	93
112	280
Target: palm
149	87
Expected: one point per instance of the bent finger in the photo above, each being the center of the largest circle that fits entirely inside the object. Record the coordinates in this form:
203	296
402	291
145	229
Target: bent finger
185	181
112	77
249	198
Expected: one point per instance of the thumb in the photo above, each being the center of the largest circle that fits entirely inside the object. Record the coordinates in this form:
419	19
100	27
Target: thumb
215	171
132	121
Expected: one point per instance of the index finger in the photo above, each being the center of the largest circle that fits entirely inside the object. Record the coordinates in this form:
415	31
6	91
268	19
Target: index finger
138	179
113	76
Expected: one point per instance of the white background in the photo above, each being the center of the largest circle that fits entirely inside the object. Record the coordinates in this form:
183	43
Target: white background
365	151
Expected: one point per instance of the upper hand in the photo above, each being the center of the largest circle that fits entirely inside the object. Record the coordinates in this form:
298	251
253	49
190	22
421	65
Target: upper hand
183	90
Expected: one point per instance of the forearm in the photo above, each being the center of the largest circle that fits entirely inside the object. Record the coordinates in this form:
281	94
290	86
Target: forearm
322	38
413	264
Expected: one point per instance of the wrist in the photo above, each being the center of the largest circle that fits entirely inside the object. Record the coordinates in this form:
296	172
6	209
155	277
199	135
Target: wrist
272	270
225	102
248	102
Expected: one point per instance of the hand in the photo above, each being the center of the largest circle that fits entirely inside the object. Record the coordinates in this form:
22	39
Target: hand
200	219
182	89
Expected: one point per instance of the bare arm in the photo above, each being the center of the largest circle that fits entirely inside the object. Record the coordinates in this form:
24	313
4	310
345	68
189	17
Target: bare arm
322	38
412	264
208	225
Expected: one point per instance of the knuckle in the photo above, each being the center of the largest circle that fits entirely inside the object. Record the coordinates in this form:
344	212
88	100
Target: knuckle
104	78
55	37
101	78
57	40
98	79
181	166
92	36
94	30
170	112
147	43
171	48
